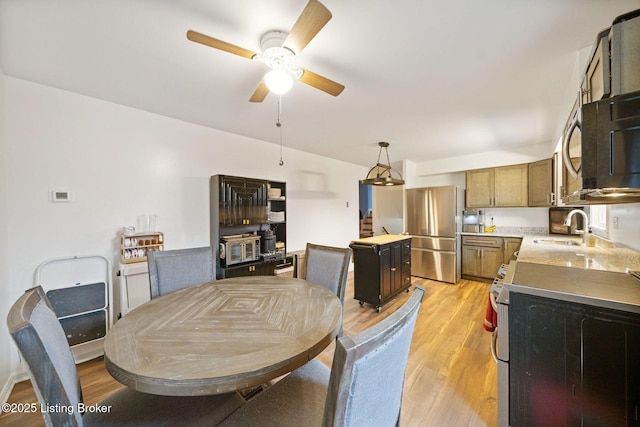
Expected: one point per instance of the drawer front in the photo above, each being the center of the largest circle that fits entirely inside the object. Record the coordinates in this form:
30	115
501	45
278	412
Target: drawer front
488	242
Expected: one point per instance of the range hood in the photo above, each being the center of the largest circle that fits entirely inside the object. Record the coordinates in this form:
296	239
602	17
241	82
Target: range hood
603	196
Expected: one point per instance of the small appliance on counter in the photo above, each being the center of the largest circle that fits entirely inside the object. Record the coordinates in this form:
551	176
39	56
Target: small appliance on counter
239	248
268	244
473	221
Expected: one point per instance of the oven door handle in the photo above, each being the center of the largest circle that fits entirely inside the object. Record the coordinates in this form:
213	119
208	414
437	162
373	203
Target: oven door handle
494	304
494	345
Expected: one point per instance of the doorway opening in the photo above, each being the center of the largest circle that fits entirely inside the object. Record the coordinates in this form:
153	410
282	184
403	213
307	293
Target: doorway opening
366	211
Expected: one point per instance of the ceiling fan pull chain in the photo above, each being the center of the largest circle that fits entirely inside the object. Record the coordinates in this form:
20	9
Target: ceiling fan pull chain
279	126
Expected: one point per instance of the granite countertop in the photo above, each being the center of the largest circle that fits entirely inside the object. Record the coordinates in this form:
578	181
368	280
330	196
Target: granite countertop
604	256
577	273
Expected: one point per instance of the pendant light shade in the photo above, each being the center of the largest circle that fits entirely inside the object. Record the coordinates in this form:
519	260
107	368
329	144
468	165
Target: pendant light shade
383	174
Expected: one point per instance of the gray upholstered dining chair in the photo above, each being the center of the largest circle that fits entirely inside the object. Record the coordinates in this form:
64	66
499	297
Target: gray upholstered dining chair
363	387
43	346
327	266
179	268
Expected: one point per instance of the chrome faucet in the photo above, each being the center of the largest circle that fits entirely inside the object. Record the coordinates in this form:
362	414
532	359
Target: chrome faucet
585	232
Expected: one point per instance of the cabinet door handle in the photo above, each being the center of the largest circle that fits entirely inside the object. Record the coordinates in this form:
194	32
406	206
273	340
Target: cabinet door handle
393	269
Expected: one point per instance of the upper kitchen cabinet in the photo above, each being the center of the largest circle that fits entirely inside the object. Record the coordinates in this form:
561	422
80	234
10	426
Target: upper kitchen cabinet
541	183
596	83
504	186
480	187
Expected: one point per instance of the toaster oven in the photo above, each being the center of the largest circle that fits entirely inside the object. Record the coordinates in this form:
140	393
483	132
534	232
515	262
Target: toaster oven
239	248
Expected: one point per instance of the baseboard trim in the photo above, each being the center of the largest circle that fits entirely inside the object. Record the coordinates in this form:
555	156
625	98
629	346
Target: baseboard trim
13	379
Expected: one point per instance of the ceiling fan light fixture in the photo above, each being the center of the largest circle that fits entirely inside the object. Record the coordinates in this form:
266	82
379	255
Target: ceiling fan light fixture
381	174
278	81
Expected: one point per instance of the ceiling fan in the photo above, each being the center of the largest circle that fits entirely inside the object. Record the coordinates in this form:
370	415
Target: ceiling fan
279	51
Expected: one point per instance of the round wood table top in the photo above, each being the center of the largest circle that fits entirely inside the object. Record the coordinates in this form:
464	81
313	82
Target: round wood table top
222	336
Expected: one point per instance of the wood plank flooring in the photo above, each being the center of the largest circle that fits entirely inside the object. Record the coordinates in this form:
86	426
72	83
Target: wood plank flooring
451	379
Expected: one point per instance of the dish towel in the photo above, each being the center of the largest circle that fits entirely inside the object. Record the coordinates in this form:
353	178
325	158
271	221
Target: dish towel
490	318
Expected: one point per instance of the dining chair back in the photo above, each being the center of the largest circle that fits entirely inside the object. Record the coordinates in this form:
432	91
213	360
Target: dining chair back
179	268
327	266
43	346
363	388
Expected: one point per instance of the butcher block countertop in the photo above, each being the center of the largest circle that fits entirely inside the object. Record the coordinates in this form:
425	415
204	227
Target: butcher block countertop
383	239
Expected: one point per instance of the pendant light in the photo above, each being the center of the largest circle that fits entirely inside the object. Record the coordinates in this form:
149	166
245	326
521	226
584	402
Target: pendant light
382	174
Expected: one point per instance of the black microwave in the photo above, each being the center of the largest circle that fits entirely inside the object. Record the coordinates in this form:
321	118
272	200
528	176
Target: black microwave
609	151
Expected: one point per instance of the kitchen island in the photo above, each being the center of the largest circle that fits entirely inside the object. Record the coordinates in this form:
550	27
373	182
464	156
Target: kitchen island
382	268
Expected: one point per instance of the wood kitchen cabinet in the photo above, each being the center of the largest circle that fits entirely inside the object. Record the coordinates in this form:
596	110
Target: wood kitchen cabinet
382	268
482	256
541	183
596	83
511	246
504	186
480	187
572	364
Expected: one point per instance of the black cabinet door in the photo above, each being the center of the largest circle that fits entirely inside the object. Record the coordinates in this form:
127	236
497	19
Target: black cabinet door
386	275
610	372
572	364
544	362
396	268
267	268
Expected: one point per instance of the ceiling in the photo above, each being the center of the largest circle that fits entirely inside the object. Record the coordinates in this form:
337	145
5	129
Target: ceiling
435	79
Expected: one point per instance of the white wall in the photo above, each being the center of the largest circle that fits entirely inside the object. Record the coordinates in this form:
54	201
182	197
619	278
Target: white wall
119	162
627	232
388	207
5	298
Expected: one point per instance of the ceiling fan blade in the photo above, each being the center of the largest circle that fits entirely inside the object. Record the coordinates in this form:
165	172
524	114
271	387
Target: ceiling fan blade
197	37
309	23
260	93
322	83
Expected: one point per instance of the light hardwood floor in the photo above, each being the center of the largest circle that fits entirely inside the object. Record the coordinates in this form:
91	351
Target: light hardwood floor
451	379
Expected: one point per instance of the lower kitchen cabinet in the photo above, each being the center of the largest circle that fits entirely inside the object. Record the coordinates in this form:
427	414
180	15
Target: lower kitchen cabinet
382	268
511	246
481	261
572	364
482	256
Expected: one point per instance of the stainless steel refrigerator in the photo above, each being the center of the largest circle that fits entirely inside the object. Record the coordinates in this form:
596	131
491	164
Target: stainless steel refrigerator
433	219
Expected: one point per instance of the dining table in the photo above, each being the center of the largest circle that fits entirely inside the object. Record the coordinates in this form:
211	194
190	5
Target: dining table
222	336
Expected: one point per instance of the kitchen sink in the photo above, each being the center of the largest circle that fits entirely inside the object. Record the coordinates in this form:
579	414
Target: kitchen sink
557	242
